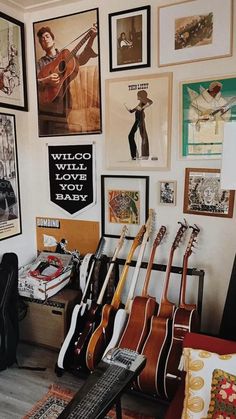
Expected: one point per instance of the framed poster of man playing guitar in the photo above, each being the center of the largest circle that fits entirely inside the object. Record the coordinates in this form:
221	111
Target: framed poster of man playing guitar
68	74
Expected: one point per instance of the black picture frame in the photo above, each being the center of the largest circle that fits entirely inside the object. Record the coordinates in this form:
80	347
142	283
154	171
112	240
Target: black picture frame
10	208
129	39
73	106
13	87
133	193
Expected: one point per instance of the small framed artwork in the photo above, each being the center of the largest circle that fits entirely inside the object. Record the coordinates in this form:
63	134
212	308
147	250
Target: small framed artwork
167	192
204	196
68	86
197	30
10	215
129	39
13	88
206	106
138	122
124	200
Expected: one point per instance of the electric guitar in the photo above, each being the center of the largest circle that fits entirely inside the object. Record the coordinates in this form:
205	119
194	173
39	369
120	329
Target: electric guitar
185	320
151	379
143	308
66	65
102	335
123	313
66	354
92	316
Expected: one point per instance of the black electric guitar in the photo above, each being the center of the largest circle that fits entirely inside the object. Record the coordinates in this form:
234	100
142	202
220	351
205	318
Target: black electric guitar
78	318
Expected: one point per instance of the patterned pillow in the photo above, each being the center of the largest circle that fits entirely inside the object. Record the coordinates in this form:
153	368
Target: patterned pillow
199	366
223	396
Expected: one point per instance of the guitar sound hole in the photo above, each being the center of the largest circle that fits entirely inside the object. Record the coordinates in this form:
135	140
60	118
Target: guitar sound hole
62	66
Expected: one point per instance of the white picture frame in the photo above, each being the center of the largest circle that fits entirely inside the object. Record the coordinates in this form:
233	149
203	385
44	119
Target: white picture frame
181	41
167	190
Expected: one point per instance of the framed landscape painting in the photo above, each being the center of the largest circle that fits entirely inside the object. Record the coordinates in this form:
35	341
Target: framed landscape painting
206	106
197	30
124	200
129	39
203	194
138	122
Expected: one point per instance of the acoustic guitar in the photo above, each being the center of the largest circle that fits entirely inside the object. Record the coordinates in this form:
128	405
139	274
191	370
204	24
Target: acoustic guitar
93	315
186	319
143	307
103	333
66	354
66	65
122	314
151	378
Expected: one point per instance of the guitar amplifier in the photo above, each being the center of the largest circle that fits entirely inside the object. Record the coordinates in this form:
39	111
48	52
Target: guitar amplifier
47	322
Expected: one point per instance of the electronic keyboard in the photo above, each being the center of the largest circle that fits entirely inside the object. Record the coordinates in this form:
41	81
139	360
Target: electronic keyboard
103	388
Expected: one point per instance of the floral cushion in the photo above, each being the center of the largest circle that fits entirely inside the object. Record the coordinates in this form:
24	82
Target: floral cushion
199	366
223	396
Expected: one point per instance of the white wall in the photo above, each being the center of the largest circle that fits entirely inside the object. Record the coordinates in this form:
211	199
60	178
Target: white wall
217	241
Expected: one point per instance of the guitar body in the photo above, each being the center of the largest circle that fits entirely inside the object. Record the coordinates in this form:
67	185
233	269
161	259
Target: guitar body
66	354
118	328
100	337
67	67
183	321
155	349
137	327
91	319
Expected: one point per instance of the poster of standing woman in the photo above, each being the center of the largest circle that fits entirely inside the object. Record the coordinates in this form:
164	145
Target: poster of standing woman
138	114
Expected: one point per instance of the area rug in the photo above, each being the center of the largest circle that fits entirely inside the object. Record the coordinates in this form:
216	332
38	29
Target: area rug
56	399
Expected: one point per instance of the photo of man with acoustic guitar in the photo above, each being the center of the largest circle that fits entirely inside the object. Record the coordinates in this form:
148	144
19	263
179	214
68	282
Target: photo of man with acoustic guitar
68	80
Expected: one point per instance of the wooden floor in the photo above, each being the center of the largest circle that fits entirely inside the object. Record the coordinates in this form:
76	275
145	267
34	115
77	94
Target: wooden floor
21	388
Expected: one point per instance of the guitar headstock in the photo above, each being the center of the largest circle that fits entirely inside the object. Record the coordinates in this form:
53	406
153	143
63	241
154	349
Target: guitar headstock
138	239
100	248
150	222
183	227
124	232
192	239
160	235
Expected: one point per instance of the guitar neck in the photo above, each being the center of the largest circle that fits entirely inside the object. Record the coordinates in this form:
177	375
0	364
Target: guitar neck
164	298
106	280
96	256
117	295
136	273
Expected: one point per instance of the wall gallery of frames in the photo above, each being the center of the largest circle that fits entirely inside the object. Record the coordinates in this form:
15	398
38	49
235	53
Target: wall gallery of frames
115	118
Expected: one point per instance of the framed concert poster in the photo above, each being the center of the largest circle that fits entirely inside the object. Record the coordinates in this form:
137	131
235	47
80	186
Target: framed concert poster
197	30
68	87
13	88
206	106
124	200
10	215
138	122
129	39
167	192
204	196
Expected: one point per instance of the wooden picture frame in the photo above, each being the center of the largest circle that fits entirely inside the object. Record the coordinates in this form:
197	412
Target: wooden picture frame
206	105
203	194
194	30
10	210
13	87
129	39
124	200
68	87
167	190
138	140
